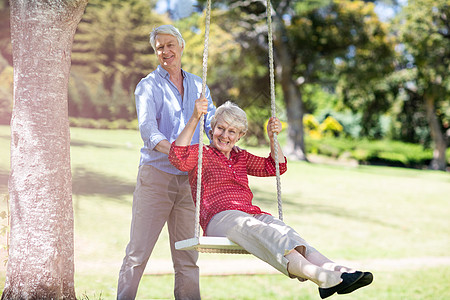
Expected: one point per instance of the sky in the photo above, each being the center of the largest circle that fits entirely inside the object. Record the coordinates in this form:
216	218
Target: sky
180	9
386	12
183	8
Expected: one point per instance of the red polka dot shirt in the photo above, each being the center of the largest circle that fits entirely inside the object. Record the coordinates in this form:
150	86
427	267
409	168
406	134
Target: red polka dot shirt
224	181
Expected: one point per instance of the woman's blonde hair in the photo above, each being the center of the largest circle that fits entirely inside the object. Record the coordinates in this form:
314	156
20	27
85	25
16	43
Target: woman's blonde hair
233	115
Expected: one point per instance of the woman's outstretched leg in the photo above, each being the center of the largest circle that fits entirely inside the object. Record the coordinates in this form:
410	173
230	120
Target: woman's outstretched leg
329	281
321	260
301	267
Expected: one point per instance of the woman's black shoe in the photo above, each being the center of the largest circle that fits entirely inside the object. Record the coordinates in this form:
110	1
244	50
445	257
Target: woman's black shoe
348	279
366	279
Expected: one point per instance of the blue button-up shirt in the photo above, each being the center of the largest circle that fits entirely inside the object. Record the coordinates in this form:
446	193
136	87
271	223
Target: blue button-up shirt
163	113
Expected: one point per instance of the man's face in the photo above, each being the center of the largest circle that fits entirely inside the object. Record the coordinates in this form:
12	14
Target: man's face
168	51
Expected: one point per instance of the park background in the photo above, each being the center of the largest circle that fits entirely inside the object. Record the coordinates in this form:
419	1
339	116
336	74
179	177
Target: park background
363	71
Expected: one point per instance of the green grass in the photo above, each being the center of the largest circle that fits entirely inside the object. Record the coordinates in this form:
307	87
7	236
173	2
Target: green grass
426	283
361	214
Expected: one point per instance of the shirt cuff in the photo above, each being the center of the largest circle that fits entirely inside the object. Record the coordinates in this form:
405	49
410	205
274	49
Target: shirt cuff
155	140
283	166
179	148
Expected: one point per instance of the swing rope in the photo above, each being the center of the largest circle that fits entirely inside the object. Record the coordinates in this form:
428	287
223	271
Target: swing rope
216	244
273	106
202	122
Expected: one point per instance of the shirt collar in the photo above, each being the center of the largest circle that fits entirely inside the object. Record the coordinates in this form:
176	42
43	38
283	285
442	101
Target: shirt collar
232	153
163	72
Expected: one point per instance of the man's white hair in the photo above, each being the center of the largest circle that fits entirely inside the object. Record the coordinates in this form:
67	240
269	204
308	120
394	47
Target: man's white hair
165	29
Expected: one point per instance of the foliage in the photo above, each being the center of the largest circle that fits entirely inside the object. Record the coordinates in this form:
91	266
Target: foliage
102	50
409	115
425	34
226	78
6	91
382	152
81	103
328	45
424	30
310	122
343	62
111	53
329	127
222	52
5	32
246	72
340	43
318	98
365	57
349	121
112	40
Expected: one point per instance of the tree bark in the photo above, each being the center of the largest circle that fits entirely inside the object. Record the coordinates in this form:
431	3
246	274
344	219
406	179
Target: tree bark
439	161
41	253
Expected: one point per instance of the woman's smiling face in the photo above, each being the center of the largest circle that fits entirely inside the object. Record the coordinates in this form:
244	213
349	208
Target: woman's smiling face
224	137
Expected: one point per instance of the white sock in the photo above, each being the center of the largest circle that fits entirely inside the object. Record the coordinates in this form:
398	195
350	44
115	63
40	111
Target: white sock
300	266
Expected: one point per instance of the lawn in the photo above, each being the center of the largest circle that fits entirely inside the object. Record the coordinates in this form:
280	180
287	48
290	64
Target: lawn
391	220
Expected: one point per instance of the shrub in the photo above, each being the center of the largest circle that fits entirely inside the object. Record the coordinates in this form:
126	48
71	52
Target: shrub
331	127
385	152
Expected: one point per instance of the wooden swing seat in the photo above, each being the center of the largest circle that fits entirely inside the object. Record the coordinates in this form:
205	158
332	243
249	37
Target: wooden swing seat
210	244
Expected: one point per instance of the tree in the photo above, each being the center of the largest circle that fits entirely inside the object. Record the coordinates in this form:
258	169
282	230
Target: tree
363	65
113	40
111	53
425	32
222	54
41	255
314	43
253	36
344	47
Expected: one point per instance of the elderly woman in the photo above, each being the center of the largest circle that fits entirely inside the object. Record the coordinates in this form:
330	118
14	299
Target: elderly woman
227	209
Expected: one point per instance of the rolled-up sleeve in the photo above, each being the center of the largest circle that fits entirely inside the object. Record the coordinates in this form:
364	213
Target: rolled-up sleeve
270	166
263	167
147	118
184	158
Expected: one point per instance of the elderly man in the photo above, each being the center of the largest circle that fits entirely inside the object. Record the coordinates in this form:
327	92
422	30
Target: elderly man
165	101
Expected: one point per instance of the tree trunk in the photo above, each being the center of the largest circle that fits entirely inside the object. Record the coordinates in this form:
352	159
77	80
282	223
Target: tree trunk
439	161
41	254
295	147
